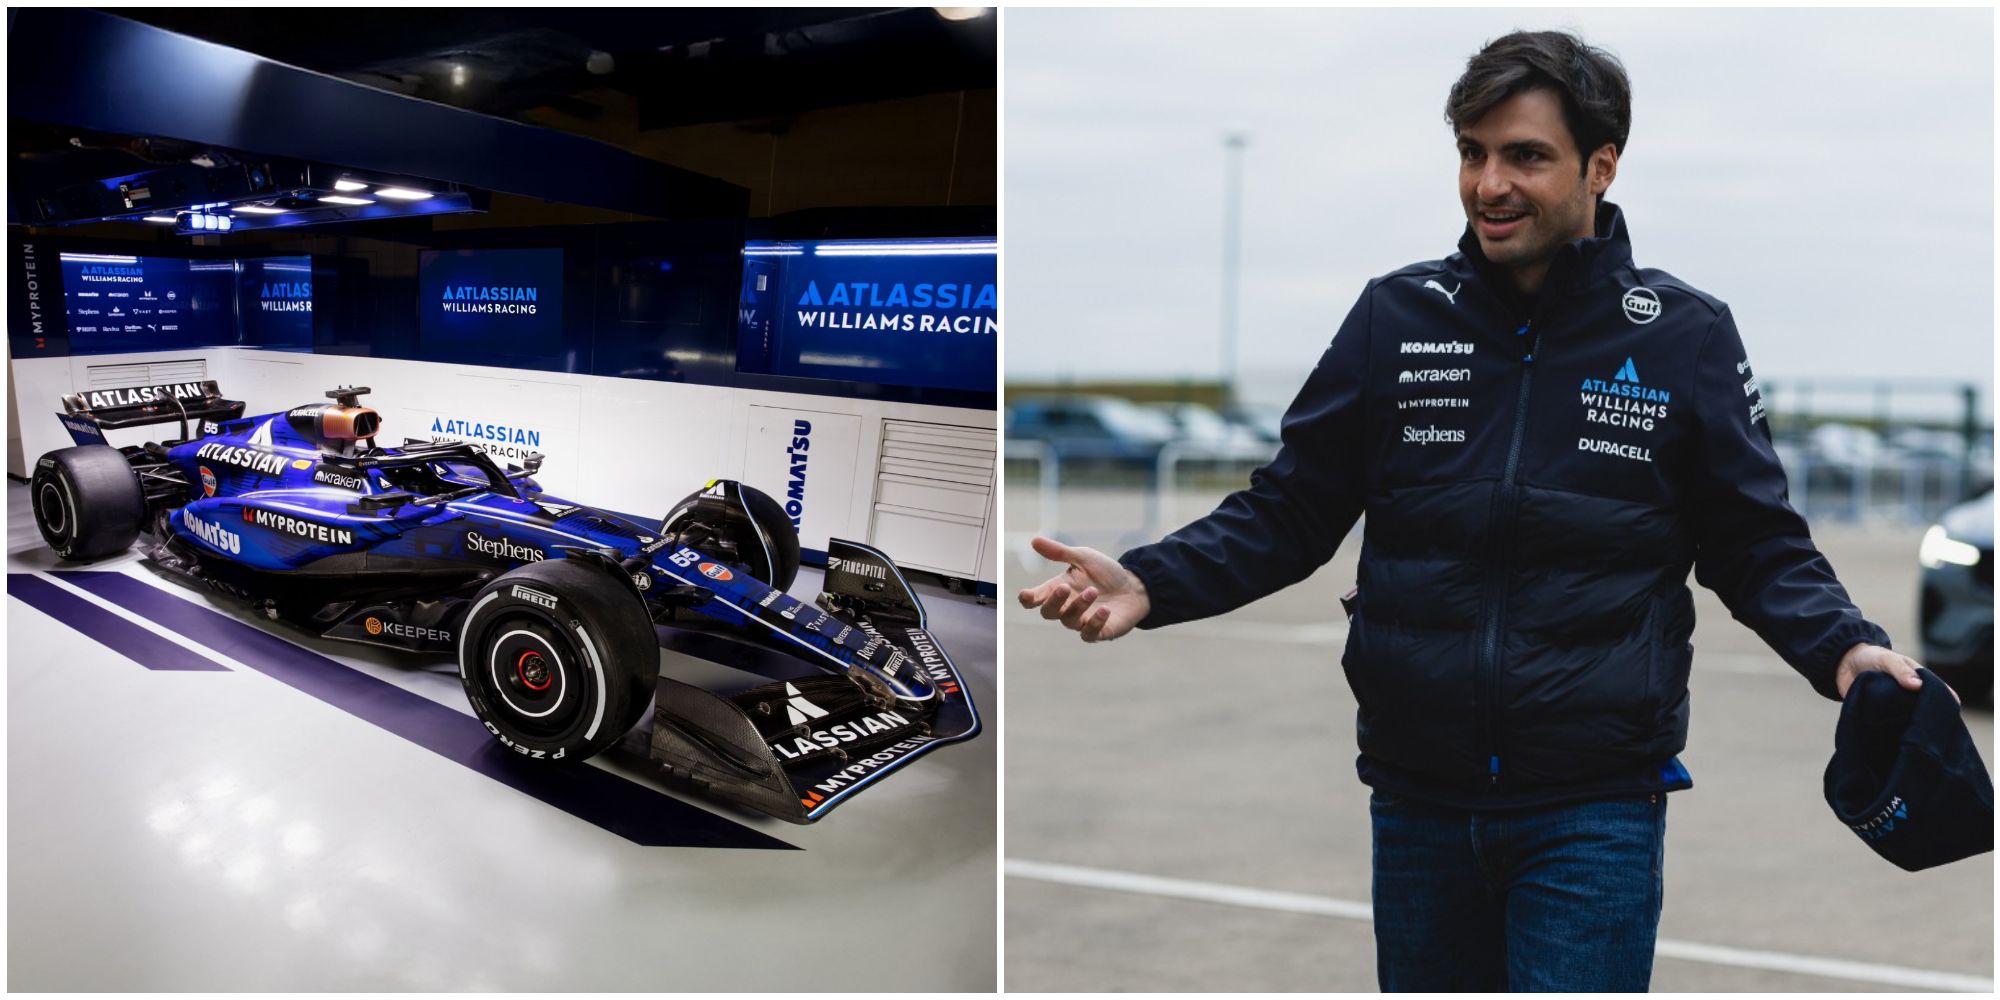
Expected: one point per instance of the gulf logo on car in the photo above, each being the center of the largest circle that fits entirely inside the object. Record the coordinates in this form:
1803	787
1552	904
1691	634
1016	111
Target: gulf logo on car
207	482
715	572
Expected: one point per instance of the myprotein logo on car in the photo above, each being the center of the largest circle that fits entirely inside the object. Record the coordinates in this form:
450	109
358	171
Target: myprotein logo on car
346	482
534	597
1433	435
503	548
859	769
1437	347
263	462
1435	375
215	535
299	527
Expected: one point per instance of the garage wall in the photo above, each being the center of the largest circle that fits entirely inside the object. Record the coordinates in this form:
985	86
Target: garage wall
628	445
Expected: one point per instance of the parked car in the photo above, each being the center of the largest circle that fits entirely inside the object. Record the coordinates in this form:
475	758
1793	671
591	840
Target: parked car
1091	427
1955	606
1208	434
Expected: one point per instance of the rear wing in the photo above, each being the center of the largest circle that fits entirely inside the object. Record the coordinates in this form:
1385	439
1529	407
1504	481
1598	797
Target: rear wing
87	415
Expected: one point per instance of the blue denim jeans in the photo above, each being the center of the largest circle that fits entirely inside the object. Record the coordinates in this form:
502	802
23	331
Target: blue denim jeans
1561	898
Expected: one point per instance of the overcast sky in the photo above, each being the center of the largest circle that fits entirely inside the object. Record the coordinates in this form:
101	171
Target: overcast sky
1828	173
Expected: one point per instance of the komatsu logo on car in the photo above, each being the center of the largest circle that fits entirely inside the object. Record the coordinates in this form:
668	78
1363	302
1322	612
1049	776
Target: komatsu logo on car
503	548
833	736
244	458
1437	347
858	567
143	394
215	535
1435	375
311	531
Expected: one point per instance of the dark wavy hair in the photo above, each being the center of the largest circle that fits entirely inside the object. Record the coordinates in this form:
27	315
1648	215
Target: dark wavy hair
1596	96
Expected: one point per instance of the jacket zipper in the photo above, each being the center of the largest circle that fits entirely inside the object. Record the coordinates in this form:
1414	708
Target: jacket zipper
1490	678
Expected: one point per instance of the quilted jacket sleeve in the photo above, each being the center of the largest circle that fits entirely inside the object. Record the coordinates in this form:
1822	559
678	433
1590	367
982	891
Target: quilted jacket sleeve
1752	548
1296	510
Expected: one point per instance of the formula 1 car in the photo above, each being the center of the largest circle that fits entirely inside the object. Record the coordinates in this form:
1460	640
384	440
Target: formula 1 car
548	605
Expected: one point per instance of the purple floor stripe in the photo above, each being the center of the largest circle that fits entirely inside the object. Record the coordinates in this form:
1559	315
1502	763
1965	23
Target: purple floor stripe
632	811
120	636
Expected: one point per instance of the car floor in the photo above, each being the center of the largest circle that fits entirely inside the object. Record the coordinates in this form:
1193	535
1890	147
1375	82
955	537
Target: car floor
201	800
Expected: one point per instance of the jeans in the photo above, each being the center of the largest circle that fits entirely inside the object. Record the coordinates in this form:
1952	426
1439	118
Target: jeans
1560	898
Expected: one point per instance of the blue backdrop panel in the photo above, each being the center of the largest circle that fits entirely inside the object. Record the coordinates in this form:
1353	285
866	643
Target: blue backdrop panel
909	312
499	304
117	304
275	300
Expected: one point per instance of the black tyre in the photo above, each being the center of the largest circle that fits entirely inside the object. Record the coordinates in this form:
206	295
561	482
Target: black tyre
766	543
87	501
558	659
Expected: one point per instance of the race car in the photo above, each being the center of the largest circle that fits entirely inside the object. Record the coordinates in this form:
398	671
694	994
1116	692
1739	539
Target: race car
549	606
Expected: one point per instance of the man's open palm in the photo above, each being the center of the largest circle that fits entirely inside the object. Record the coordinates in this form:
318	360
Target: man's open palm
1094	596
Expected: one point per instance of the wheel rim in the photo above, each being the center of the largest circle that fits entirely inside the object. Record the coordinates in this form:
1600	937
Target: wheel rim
534	676
50	502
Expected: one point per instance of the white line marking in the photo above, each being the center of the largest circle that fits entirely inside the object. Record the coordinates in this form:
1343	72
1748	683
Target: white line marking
1325	906
147	623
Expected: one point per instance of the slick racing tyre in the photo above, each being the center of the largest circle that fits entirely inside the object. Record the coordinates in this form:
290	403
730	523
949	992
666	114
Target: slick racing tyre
87	502
766	543
558	659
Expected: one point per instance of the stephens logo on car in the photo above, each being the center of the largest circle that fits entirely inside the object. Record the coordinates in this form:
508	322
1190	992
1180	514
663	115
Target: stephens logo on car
503	548
715	572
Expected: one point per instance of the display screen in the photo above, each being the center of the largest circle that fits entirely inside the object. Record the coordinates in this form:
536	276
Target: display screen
275	299
493	303
116	304
903	312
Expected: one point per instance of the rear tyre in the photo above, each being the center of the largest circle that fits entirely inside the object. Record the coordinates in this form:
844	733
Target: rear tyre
766	542
558	660
87	502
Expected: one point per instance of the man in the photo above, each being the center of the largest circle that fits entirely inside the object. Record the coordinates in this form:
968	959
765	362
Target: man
1545	439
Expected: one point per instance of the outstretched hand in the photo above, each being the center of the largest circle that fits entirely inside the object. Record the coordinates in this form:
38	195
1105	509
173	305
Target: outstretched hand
1865	657
1094	595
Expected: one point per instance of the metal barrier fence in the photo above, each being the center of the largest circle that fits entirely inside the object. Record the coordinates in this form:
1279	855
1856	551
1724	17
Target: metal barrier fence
1109	501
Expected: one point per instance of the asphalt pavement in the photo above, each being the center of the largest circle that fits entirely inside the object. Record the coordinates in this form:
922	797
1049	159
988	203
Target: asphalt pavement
1182	811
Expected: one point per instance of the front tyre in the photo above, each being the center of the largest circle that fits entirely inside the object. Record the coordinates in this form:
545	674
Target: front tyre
558	660
87	502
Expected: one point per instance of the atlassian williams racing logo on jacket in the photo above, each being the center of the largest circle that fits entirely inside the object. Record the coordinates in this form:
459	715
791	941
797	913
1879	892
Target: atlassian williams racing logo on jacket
1624	402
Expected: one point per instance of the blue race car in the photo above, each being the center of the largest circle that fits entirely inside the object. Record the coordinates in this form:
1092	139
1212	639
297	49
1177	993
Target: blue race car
549	606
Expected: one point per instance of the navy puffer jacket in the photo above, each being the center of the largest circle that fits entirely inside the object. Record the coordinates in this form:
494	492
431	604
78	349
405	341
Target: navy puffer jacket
1537	488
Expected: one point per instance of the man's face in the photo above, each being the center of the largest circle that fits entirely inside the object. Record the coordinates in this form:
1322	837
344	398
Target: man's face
1520	179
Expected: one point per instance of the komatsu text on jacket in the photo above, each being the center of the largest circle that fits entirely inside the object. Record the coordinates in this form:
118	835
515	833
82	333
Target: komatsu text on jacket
1538	479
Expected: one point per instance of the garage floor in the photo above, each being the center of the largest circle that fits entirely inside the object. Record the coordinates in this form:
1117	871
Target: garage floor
201	801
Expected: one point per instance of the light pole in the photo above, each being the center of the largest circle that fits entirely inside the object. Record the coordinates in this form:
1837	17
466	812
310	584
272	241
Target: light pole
1232	239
